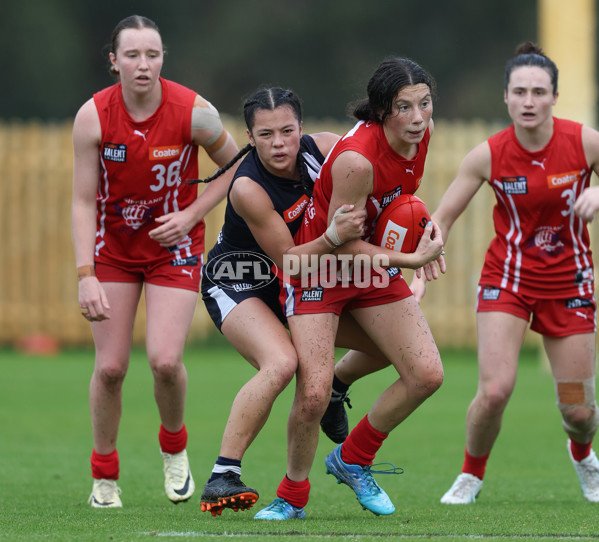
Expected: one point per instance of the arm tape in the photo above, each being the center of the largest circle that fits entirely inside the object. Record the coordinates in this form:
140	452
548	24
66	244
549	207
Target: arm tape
207	118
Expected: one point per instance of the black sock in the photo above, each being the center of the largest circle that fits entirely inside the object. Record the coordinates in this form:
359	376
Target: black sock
339	386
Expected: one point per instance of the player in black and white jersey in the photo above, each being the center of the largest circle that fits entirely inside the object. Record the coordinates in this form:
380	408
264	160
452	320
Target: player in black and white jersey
266	199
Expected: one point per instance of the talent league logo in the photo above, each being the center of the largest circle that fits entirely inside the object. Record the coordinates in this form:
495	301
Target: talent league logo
114	152
514	185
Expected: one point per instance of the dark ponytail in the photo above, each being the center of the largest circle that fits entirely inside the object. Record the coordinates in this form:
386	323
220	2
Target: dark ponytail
305	179
530	54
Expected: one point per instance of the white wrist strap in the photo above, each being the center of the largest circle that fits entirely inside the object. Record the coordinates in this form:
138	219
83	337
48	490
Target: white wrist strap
331	236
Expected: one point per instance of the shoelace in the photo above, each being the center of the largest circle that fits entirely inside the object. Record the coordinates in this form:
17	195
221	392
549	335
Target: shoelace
175	469
107	490
368	472
341	397
464	487
391	470
589	468
280	506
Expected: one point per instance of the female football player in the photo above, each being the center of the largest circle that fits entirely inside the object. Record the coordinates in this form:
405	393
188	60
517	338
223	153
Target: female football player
265	206
136	225
381	157
538	268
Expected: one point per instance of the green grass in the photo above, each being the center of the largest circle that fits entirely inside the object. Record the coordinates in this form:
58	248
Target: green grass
531	490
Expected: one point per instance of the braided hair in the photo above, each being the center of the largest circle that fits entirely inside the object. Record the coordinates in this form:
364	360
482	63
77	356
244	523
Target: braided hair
268	99
530	54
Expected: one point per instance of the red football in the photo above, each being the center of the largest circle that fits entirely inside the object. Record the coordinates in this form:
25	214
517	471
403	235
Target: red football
401	224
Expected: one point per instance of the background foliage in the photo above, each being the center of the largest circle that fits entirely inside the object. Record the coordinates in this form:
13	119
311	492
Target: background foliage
324	49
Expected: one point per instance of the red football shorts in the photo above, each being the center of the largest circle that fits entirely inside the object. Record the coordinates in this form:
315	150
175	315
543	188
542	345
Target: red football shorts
550	317
186	277
319	299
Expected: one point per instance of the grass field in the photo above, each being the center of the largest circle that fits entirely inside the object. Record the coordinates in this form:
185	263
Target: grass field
531	491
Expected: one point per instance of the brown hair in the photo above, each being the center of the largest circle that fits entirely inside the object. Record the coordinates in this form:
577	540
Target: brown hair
530	54
133	21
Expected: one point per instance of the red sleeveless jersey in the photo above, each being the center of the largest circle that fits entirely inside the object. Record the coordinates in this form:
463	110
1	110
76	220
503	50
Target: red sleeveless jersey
541	248
393	175
142	166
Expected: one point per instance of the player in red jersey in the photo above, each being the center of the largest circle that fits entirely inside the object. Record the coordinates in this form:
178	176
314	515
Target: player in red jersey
380	158
538	265
136	224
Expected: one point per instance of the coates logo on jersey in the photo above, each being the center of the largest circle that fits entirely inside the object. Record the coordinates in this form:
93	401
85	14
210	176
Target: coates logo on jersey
514	185
114	152
296	209
165	153
561	180
241	270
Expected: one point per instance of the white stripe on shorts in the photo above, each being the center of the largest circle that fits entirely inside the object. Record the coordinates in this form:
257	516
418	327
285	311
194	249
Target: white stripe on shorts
224	302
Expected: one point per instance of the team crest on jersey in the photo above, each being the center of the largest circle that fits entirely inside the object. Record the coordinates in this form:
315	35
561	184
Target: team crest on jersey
296	209
514	185
547	239
114	152
136	213
578	303
388	197
491	294
561	180
312	294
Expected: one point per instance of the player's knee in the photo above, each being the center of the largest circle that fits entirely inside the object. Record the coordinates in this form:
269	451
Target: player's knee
576	402
282	374
428	380
111	374
167	368
279	368
577	405
494	398
580	417
314	404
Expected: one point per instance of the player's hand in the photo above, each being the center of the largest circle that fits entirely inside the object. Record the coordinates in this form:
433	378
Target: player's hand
430	247
172	229
93	301
348	222
418	285
587	203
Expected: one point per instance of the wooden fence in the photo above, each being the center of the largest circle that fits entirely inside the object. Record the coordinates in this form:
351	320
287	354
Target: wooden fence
38	284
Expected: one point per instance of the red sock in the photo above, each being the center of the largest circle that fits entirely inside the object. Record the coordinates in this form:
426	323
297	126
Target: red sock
580	451
362	444
105	466
172	443
475	465
295	493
